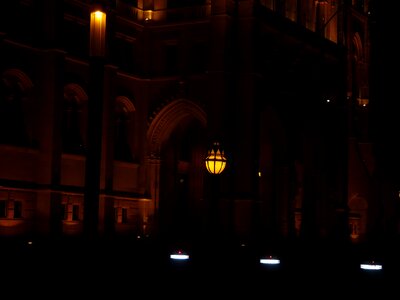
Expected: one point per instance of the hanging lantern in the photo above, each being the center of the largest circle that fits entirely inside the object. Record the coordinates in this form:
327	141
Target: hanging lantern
215	160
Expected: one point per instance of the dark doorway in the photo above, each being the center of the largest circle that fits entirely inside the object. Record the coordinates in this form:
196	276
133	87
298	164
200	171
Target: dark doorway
181	184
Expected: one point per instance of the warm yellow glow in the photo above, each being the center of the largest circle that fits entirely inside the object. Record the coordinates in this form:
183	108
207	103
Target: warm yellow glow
11	222
148	15
215	161
98	15
97	33
363	101
259	174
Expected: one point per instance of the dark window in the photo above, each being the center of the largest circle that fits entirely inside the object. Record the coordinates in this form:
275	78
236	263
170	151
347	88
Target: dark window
115	214
71	132
124	215
3	208
64	211
122	150
12	123
17	209
75	212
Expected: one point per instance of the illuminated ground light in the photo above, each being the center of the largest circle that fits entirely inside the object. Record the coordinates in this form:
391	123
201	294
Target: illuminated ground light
270	260
373	266
179	255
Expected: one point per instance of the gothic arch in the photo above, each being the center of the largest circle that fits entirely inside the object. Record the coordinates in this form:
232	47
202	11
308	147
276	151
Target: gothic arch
76	91
164	123
168	118
19	77
16	124
124	128
74	119
126	102
358	47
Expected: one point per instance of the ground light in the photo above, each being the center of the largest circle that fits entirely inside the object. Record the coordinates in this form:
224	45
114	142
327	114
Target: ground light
179	255
371	265
270	260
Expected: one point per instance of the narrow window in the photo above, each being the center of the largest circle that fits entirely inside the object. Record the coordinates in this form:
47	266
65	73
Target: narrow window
122	149
17	209
64	212
12	122
72	141
124	215
75	212
116	214
3	208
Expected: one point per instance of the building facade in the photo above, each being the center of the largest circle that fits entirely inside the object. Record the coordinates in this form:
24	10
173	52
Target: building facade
119	142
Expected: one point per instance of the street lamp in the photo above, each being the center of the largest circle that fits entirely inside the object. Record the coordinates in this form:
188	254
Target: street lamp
215	160
215	163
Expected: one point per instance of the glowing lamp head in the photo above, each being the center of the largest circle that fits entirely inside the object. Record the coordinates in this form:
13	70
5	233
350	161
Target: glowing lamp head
215	160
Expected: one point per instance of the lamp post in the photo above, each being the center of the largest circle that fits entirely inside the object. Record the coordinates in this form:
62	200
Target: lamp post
94	130
215	163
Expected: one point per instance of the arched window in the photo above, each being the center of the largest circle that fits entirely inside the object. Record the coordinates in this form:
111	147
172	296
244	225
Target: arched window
14	89
72	119
123	128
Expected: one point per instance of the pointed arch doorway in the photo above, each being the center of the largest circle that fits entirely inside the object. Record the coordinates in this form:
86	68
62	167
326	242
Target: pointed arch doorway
177	141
